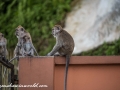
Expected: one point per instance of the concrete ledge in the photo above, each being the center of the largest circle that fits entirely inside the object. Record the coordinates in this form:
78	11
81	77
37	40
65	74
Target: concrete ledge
89	60
85	72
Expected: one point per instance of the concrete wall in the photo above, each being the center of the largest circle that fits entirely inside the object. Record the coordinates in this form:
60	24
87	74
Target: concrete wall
85	73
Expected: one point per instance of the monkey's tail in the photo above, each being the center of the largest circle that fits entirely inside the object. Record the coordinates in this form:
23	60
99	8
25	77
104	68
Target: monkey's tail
66	71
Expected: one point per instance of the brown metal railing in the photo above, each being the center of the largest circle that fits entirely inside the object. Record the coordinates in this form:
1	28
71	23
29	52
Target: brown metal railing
11	67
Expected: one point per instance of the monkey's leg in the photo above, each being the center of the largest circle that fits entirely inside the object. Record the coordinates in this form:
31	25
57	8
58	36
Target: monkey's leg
5	52
34	49
4	59
13	59
56	54
31	52
54	50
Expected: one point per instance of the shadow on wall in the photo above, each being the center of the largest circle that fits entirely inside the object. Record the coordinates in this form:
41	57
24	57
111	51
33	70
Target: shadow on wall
93	22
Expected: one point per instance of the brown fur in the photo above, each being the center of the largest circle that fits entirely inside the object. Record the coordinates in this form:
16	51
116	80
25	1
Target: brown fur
64	47
25	33
3	43
27	46
21	33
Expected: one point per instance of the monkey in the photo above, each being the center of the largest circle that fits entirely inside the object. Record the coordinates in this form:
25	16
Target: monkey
24	46
18	48
27	46
3	48
20	33
64	47
22	36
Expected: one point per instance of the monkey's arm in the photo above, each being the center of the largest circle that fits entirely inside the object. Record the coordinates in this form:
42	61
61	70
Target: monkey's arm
16	51
34	49
4	48
56	54
5	53
54	50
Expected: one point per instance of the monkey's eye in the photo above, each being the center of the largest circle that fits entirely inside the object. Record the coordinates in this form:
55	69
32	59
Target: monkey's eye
22	29
58	28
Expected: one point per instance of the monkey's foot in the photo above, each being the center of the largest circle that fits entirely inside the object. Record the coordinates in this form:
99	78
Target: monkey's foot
56	54
4	59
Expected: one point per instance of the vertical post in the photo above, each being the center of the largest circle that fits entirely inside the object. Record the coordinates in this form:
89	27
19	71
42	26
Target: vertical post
12	77
11	66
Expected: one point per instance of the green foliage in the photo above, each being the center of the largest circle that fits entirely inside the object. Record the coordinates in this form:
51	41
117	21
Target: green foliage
112	48
36	16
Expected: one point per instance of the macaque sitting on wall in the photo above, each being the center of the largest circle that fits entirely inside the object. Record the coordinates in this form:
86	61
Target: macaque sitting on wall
3	49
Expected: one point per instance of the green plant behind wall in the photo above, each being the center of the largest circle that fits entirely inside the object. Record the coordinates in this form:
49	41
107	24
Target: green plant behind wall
106	49
36	16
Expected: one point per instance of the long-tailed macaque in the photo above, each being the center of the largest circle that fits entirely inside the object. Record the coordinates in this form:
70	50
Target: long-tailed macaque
23	38
3	48
64	47
28	49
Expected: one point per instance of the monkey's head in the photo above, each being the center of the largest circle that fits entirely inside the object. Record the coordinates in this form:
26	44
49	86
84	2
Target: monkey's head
20	31
56	30
26	38
1	35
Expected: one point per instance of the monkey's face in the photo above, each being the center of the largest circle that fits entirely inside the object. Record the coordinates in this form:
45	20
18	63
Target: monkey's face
26	38
55	31
20	31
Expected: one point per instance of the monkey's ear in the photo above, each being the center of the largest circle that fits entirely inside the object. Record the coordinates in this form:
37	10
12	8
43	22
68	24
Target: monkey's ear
58	27
22	29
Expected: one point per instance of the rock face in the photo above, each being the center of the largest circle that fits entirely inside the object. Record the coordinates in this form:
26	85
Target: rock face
93	22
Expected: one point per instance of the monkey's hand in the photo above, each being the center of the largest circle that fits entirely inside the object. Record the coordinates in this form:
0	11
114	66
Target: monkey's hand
49	54
56	54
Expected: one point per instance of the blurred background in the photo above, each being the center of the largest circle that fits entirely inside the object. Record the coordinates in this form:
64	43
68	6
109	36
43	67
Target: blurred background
94	24
36	16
